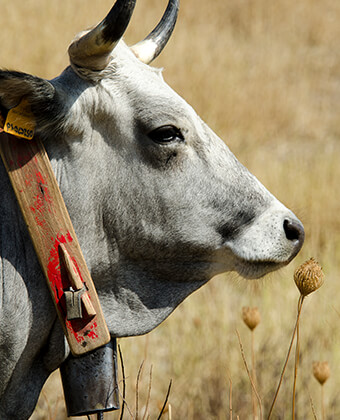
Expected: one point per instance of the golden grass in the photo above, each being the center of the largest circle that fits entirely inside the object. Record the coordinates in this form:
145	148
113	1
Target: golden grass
265	76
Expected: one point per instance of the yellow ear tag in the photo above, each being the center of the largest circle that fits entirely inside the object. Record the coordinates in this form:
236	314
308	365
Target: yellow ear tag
20	121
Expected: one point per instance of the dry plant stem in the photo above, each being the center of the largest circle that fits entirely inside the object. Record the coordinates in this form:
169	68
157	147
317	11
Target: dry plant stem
48	404
137	387
297	356
230	400
253	373
165	402
124	386
249	374
149	394
312	407
286	361
55	411
322	403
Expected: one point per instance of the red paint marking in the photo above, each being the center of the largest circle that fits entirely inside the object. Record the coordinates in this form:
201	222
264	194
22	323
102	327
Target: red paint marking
41	223
58	283
93	334
70	327
53	269
40	178
39	204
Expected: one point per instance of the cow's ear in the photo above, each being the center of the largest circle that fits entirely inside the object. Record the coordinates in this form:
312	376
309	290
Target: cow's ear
40	94
15	85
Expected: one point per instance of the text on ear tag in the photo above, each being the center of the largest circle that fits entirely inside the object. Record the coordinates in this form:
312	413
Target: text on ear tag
20	121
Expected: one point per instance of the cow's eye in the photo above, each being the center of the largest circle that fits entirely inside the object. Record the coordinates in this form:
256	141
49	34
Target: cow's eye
166	134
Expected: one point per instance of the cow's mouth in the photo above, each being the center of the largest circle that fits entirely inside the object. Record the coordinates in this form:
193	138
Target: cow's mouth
252	270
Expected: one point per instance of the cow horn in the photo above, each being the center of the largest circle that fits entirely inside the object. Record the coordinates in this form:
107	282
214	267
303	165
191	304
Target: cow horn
148	49
92	50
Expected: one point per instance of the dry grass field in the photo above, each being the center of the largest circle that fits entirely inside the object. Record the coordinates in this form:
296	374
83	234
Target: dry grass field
265	75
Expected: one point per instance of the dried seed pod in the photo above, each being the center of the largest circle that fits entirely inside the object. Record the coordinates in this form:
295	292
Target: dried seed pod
321	371
308	277
251	317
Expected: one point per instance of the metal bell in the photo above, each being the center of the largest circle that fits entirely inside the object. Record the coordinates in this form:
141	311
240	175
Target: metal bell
90	382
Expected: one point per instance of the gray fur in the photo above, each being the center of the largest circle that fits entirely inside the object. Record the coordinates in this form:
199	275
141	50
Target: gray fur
155	221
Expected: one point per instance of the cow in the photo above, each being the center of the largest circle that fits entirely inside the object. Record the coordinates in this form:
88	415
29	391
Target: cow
159	203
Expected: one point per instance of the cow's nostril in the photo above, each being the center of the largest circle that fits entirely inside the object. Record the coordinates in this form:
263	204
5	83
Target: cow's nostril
294	230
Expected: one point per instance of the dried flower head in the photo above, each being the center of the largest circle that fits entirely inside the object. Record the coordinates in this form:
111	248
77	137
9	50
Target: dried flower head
321	371
251	317
308	277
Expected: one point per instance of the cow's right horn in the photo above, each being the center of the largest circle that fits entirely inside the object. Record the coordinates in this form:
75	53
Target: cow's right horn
148	49
92	50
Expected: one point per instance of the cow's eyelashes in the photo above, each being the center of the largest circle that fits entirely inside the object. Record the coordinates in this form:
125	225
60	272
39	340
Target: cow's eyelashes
166	134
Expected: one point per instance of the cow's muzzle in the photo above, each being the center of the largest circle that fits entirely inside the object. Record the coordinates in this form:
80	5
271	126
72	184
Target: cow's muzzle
295	232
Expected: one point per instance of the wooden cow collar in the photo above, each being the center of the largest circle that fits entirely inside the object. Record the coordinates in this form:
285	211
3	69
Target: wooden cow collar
50	227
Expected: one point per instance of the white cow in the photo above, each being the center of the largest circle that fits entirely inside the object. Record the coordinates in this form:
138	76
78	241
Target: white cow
158	201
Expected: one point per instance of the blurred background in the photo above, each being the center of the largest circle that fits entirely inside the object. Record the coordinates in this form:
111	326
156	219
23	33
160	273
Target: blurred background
265	76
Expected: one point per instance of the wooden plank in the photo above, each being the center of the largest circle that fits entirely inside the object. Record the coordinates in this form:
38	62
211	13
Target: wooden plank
50	227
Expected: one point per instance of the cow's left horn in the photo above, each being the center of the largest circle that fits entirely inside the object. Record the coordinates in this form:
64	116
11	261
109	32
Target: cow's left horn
148	49
93	49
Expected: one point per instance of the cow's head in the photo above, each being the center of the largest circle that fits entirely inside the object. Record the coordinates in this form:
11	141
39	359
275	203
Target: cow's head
158	201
